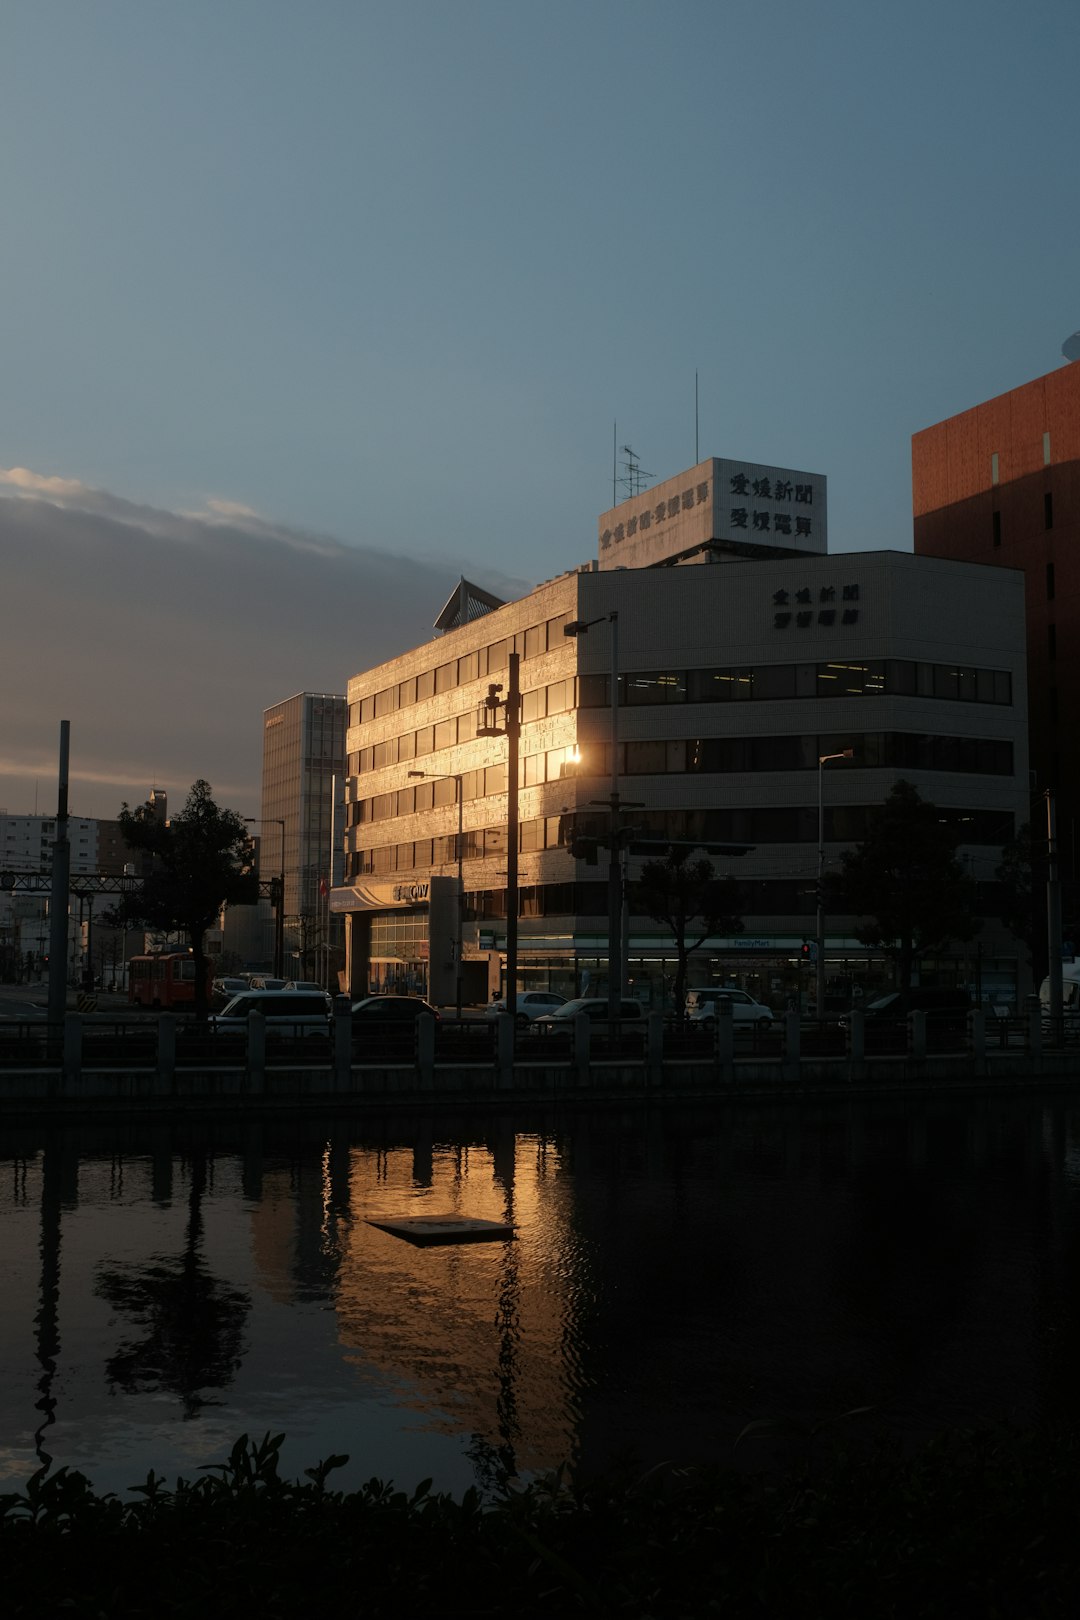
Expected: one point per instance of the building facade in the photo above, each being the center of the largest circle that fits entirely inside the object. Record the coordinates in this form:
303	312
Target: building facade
303	770
999	484
733	679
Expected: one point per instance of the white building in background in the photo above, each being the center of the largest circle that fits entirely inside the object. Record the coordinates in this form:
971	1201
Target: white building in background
746	651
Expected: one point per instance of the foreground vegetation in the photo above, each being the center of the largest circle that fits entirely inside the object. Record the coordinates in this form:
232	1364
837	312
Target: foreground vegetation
979	1525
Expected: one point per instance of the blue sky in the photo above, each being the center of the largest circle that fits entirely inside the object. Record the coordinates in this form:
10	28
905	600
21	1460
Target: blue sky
388	272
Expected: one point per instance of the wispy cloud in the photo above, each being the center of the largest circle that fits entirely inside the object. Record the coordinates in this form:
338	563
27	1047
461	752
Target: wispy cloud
163	635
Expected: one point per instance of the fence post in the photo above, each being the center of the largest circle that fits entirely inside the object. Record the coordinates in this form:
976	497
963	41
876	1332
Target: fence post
425	1051
654	1049
916	1036
582	1030
792	1046
166	1051
256	1052
341	1027
976	1021
72	1064
856	1042
724	1039
505	1035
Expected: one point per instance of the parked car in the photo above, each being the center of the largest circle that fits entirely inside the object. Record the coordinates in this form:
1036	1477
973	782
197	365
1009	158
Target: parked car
287	1012
701	1005
595	1008
391	1009
223	990
944	1006
301	984
259	981
531	1004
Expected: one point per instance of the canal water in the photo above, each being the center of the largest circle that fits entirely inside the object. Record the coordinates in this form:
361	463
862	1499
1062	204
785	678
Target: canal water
676	1275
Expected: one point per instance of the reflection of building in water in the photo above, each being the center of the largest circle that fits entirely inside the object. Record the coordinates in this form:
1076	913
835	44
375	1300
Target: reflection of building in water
479	1338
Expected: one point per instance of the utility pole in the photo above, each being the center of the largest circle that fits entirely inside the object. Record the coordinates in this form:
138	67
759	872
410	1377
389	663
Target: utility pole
59	899
511	730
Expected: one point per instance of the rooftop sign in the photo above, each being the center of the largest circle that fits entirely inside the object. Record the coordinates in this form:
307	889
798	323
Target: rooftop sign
741	502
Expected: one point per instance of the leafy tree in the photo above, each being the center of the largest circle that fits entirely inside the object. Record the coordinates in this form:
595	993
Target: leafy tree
905	883
682	893
200	861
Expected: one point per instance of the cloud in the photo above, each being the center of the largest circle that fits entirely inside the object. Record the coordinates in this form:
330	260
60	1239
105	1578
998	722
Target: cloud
162	636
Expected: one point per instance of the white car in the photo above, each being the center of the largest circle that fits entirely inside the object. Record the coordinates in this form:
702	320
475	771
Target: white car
701	1007
530	1004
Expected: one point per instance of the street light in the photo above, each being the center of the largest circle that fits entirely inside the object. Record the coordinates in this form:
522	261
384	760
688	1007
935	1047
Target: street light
581	627
279	916
845	753
459	799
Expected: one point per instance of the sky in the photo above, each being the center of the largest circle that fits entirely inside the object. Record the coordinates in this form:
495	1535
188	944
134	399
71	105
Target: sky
310	308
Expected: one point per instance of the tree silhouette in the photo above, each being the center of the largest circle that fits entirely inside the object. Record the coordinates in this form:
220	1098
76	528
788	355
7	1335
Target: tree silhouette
194	1338
905	883
200	861
680	892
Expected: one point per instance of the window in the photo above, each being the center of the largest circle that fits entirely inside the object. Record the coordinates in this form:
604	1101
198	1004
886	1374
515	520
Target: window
560	697
534	704
1048	511
468	668
996	518
446	733
1046	449
407	692
495	779
535	643
385	702
425	685
995	468
446	677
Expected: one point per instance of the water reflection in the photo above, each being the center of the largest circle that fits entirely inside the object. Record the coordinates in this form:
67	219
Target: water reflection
675	1275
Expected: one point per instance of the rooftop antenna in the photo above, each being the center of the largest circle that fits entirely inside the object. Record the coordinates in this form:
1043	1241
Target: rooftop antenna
697	456
634	477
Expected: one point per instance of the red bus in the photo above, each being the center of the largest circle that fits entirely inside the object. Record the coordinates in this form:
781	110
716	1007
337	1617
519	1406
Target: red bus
166	979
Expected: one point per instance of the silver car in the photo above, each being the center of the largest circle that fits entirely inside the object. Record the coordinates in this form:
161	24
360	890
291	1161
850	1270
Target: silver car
701	1005
531	1004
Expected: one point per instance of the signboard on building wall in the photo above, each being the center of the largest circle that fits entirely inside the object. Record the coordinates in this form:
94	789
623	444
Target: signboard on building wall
744	502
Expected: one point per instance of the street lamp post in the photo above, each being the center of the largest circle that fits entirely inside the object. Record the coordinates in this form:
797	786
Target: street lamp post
488	726
459	797
845	753
580	627
279	914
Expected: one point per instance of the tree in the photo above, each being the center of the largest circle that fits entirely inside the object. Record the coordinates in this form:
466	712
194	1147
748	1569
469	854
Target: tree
905	883
678	892
200	861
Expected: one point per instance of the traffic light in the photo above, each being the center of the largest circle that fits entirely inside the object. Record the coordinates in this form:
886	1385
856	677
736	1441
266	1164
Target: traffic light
584	849
805	950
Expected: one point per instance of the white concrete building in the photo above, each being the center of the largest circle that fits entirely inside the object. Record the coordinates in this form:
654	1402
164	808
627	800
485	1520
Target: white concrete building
734	677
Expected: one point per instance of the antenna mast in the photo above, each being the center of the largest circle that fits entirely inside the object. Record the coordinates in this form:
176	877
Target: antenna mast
634	478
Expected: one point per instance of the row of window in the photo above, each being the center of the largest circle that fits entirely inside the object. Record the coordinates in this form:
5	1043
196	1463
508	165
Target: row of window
901	677
474	666
772	897
459	728
898	750
772	824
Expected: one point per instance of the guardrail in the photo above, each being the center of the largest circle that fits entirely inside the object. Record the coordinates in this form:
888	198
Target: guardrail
90	1056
